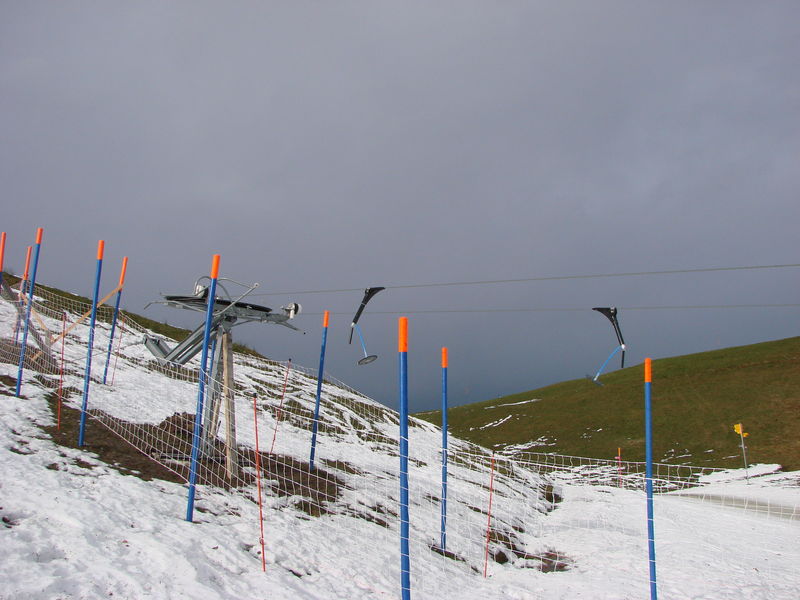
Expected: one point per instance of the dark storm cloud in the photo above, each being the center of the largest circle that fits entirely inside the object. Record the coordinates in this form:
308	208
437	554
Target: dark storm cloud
323	146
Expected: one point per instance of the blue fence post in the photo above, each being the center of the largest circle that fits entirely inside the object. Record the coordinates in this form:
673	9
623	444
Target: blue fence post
31	289
315	425
201	389
443	532
88	373
405	559
114	318
648	434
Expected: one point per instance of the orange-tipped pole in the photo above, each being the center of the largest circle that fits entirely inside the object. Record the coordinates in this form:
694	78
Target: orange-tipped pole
114	318
27	264
38	247
89	347
201	388
2	248
320	372
402	334
648	453
122	272
405	556
443	503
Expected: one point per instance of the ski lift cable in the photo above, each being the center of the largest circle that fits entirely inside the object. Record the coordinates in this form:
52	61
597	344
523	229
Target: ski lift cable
545	278
564	309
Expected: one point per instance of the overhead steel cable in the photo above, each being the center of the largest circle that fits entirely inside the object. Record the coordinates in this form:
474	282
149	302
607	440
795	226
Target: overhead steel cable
534	279
565	309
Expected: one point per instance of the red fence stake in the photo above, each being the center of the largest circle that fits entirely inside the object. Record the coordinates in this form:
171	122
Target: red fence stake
258	484
61	369
280	407
489	520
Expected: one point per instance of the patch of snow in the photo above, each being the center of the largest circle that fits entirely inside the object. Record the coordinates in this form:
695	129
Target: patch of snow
513	403
496	423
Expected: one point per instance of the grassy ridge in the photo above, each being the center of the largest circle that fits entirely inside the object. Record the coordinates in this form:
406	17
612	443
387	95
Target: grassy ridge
696	400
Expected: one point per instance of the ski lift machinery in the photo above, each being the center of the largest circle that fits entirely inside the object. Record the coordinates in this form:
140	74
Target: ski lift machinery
227	312
611	314
354	326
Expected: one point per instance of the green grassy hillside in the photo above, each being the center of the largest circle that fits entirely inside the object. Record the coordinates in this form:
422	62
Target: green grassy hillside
696	401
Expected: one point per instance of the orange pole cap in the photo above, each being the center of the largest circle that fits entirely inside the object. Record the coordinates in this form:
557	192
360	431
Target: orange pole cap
444	357
101	245
122	272
648	370
325	317
215	266
402	334
39	233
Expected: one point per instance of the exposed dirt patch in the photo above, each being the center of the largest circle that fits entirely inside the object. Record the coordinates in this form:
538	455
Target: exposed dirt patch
507	549
158	459
109	447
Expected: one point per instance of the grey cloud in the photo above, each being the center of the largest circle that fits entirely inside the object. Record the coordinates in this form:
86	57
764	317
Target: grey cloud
327	146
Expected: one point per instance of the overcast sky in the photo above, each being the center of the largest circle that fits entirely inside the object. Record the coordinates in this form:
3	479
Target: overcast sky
339	145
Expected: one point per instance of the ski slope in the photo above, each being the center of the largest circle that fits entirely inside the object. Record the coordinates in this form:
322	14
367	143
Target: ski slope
76	527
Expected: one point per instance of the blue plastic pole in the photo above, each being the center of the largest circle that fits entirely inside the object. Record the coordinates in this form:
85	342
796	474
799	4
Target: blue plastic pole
443	533
315	426
648	435
111	336
114	319
405	559
93	320
31	289
201	389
